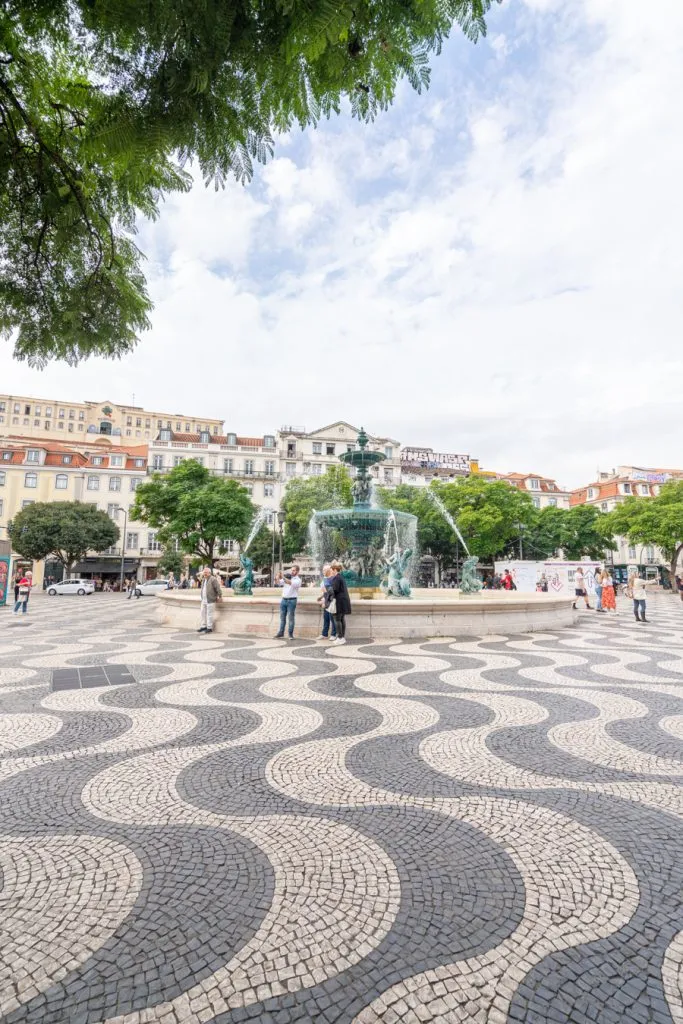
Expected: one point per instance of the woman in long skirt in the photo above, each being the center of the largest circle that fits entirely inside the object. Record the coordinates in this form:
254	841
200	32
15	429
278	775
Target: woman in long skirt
609	601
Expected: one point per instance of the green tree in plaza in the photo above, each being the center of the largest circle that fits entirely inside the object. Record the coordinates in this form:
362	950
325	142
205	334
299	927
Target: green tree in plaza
489	514
103	104
576	532
67	530
435	537
656	520
200	511
304	496
171	561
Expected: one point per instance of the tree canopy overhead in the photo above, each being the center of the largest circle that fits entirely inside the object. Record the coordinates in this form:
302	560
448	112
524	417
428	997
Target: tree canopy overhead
103	104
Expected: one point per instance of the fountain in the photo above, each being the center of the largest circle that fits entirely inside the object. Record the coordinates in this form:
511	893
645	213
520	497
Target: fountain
376	547
361	537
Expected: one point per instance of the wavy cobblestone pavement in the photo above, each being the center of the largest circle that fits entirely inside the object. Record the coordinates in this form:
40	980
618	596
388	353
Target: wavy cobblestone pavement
486	830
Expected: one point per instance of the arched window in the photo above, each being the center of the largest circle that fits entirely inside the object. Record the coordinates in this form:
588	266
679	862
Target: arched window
61	481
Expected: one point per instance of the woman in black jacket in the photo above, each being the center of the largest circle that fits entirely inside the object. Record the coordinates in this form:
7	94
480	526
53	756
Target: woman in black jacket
339	593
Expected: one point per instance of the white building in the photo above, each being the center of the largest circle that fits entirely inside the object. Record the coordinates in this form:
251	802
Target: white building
544	490
613	488
304	454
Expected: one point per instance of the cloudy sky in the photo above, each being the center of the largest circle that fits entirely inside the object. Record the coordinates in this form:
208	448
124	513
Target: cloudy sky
493	267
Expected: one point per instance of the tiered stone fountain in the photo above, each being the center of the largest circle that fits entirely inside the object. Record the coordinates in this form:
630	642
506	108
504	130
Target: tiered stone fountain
375	546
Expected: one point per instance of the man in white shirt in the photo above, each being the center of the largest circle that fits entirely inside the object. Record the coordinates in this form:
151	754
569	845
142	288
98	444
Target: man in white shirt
580	587
290	583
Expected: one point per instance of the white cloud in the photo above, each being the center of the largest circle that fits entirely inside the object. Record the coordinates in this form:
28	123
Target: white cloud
492	267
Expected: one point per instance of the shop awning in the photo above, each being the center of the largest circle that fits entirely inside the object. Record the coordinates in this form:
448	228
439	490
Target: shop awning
110	565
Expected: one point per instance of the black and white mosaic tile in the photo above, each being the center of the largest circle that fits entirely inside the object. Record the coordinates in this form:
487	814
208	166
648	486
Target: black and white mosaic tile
221	830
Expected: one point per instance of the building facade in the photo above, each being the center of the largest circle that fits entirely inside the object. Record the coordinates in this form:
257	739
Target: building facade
308	454
613	487
71	421
46	470
544	491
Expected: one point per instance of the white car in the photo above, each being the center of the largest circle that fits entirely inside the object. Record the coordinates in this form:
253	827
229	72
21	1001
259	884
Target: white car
79	587
150	587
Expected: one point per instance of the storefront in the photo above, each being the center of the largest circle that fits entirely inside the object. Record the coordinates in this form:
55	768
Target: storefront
106	570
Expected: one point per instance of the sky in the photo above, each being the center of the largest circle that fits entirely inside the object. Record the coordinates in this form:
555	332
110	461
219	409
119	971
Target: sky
494	267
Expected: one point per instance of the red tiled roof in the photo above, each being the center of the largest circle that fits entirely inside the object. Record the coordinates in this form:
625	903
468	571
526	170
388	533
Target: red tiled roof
253	442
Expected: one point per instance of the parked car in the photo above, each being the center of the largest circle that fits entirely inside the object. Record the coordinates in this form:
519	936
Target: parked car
150	587
79	587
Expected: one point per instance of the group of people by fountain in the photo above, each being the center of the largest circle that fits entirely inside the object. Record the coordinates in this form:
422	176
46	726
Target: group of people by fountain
334	598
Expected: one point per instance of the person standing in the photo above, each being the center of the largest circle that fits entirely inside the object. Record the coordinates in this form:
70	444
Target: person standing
580	587
598	592
338	602
210	593
609	597
329	630
637	589
291	584
22	591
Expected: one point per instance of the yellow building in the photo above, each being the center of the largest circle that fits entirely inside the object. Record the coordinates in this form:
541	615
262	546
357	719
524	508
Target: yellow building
46	470
72	421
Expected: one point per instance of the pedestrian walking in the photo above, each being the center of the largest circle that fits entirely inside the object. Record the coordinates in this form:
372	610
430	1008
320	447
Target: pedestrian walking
210	594
609	597
23	592
679	586
329	630
580	587
338	602
598	592
636	590
291	584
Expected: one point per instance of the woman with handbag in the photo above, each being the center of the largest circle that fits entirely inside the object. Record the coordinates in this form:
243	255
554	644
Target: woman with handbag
24	591
338	602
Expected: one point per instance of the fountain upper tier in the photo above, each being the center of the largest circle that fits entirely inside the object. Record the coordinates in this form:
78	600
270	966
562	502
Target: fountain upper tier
360	457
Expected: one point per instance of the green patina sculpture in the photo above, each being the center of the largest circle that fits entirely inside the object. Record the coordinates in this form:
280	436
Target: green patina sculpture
470	582
244	582
395	582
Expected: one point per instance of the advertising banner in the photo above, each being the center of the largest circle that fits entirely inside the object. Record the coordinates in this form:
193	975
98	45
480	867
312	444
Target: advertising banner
4	578
559	575
425	458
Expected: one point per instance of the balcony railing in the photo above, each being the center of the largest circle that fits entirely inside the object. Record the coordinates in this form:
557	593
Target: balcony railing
257	474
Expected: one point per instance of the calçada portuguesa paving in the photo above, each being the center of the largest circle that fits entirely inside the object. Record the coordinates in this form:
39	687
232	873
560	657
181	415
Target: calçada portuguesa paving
221	830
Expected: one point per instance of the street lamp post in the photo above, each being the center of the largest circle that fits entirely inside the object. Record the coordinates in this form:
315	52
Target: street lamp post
123	543
281	522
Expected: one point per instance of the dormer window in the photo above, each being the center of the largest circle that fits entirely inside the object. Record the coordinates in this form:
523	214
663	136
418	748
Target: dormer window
534	484
66	460
204	437
268	441
165	434
232	438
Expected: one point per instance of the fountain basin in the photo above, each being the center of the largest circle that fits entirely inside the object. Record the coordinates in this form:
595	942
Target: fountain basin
429	613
